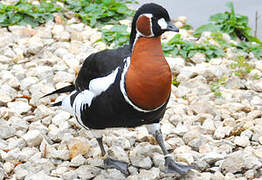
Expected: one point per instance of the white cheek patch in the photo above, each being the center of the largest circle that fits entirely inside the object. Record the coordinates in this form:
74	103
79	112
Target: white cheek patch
162	23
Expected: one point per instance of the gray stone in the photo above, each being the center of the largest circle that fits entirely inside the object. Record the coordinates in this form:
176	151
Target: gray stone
142	162
198	58
222	131
35	44
185	157
19	107
110	174
212	157
4	98
151	174
33	138
242	141
87	172
8	167
20	172
78	161
60	118
6	131
240	160
60	154
118	153
62	76
28	81
203	106
186	73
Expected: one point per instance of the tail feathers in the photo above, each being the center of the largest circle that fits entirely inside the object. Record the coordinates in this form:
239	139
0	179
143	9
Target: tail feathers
69	88
59	103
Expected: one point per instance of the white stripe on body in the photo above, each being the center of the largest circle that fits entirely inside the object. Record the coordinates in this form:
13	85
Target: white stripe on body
96	87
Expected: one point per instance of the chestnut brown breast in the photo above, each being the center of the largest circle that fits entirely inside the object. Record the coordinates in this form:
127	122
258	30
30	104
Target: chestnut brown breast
148	79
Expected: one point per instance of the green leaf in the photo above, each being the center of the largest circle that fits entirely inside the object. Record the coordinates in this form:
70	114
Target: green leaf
2	18
208	27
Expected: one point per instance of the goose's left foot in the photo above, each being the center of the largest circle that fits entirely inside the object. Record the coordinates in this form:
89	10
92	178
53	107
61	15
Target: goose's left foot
119	165
172	166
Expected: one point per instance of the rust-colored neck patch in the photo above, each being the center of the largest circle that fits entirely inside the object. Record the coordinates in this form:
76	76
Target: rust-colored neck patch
143	25
148	79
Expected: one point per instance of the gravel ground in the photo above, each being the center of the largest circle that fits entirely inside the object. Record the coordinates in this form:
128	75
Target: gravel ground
221	136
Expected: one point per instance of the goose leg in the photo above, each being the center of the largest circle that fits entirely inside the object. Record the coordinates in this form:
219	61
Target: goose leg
170	165
112	163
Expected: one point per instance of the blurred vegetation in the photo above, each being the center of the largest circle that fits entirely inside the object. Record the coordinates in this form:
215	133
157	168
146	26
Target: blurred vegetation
23	13
97	13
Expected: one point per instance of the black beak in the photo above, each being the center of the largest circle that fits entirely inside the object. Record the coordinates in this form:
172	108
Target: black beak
171	27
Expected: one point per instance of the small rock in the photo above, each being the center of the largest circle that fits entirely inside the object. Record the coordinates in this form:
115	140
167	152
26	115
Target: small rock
33	138
6	131
242	141
18	107
186	73
118	153
62	154
35	44
198	58
209	125
25	83
176	64
77	147
59	33
20	172
78	161
142	162
185	157
250	174
60	118
4	98
182	19
178	24
221	132
180	129
87	172
203	106
151	174
260	140
212	157
62	76
8	167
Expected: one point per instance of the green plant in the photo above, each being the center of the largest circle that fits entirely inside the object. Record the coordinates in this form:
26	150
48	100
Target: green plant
215	86
241	67
175	82
251	47
117	34
94	12
235	25
187	49
22	13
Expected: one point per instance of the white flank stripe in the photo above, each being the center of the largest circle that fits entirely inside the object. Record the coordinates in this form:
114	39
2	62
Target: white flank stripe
66	103
96	87
99	85
123	91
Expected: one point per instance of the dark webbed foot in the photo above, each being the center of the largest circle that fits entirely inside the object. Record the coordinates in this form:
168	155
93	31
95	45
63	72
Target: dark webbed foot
119	165
172	166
